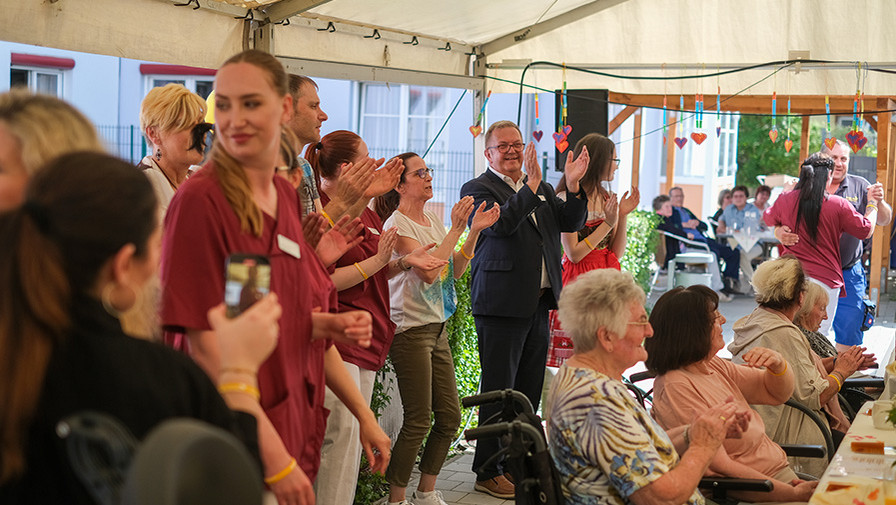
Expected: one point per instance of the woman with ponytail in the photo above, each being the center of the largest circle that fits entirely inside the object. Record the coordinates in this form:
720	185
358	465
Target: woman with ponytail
818	219
76	255
362	277
236	204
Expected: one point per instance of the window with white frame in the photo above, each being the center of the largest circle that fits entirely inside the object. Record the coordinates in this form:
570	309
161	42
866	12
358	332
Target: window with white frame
202	85
40	80
727	161
401	117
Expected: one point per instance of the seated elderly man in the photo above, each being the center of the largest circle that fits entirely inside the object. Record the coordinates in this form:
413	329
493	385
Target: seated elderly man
606	447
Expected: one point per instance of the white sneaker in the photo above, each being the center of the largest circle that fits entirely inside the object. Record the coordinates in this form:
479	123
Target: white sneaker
434	498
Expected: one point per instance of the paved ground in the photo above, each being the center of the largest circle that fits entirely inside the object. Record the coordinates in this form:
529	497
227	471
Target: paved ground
456	479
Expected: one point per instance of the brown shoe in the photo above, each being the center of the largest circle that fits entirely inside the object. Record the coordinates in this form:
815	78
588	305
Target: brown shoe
499	487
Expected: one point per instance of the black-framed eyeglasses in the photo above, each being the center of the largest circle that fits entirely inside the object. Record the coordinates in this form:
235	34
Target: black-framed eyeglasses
423	172
617	160
504	148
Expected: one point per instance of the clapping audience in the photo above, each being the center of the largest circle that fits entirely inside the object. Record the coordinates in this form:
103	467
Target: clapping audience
373	275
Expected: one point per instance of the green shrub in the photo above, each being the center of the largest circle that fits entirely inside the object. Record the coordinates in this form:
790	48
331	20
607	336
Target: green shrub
640	248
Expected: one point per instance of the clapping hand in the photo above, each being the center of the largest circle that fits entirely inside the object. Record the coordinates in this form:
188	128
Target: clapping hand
630	201
314	226
384	179
346	233
575	169
421	259
482	219
533	168
460	213
353	327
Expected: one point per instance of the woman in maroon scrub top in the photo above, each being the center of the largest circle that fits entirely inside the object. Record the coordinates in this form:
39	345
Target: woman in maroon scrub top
236	204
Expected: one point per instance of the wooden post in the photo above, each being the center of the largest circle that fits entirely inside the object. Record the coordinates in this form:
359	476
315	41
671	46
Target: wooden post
880	243
670	153
620	118
804	140
636	152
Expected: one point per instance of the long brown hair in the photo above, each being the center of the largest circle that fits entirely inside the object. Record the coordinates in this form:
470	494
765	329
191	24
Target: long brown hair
79	211
601	150
334	149
231	176
385	205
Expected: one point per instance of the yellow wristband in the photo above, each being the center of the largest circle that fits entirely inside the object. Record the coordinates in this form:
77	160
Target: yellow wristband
778	374
464	253
839	384
239	387
273	479
362	271
329	219
588	243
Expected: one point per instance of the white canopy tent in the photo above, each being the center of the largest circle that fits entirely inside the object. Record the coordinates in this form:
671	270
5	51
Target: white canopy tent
485	45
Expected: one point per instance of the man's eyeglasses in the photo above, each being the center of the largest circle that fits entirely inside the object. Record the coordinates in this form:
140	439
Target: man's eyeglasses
423	173
504	148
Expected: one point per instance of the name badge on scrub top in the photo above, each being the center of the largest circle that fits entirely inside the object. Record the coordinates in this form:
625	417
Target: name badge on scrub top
289	246
373	230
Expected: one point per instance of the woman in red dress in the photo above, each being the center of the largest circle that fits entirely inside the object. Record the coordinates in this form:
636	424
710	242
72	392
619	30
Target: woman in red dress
601	242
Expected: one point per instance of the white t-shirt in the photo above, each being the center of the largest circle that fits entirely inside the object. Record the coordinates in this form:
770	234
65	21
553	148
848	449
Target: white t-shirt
414	302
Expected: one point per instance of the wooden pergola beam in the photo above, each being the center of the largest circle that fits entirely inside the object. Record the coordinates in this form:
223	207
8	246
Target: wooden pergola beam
670	153
620	118
880	243
752	104
804	139
636	152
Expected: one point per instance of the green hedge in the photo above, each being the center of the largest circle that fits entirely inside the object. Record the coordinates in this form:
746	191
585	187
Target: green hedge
641	244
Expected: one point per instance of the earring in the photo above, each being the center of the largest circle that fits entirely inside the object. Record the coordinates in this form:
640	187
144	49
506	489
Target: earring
106	298
158	153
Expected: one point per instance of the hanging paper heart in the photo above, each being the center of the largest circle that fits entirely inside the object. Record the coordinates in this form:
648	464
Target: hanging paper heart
773	134
853	137
476	130
681	141
537	134
787	145
698	137
718	131
567	129
830	142
562	145
558	137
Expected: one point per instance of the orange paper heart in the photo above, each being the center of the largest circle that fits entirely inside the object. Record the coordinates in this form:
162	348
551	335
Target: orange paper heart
773	134
698	137
562	146
476	130
830	142
788	144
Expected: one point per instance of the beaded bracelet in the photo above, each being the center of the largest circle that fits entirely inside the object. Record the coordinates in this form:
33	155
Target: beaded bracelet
273	479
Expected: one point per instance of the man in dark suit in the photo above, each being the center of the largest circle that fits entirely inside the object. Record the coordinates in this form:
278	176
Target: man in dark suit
516	274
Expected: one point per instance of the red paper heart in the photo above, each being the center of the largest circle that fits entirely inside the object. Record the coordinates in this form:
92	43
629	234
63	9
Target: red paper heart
537	134
856	140
773	134
859	144
562	146
476	130
788	144
718	131
558	137
681	141
567	129
698	137
830	142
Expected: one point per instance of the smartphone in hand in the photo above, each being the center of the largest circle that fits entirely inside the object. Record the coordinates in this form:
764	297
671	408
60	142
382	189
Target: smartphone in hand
248	279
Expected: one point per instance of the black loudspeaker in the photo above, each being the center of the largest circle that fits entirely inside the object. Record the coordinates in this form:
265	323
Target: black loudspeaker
586	112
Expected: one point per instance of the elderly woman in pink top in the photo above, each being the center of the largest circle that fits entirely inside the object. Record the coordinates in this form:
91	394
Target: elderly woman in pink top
692	379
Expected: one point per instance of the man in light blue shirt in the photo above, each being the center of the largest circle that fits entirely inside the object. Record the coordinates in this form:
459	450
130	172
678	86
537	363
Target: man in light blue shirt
742	216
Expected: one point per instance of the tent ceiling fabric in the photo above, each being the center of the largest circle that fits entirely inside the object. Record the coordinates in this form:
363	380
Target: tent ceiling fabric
609	32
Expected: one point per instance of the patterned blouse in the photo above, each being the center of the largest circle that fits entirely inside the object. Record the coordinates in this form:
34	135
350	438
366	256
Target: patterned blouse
819	343
604	444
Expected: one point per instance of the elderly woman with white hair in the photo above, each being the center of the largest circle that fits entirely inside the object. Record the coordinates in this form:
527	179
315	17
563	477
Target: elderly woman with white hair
604	444
780	287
